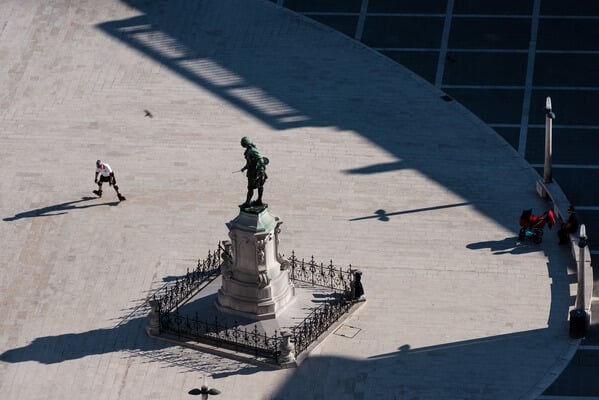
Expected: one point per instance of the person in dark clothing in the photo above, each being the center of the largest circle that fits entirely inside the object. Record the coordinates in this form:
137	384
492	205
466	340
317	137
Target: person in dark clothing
568	227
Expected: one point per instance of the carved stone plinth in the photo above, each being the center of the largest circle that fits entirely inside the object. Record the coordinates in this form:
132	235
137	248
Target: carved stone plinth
255	279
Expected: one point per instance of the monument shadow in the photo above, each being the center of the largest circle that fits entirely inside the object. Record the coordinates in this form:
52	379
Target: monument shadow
128	337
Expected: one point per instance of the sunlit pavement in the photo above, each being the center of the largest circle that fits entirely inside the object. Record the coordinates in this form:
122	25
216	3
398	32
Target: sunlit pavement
368	166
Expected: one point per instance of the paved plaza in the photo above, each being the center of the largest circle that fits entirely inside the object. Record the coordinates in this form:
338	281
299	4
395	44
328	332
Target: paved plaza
369	166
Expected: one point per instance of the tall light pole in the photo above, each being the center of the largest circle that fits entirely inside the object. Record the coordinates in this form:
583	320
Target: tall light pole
582	242
578	316
549	117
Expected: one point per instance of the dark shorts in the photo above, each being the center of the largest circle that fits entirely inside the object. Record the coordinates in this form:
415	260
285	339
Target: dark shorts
104	178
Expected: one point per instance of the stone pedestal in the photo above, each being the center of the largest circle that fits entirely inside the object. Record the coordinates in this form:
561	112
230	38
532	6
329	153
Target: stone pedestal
255	279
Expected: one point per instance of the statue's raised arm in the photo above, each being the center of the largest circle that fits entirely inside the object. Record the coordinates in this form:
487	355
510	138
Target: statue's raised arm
255	165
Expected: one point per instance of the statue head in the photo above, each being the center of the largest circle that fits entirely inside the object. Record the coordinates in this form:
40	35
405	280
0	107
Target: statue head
245	141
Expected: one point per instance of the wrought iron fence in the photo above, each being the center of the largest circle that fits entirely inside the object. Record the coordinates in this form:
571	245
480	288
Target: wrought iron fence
252	341
220	335
170	296
316	323
330	276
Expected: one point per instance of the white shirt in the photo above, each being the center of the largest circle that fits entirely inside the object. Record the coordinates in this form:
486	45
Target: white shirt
105	171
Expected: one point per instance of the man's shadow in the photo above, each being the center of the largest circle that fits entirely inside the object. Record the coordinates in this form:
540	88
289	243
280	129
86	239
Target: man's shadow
509	245
59	209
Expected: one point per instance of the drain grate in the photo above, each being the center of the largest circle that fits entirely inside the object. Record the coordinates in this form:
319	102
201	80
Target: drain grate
347	331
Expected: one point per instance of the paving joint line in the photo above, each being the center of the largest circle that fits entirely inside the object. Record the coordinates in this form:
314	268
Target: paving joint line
444	43
361	20
530	66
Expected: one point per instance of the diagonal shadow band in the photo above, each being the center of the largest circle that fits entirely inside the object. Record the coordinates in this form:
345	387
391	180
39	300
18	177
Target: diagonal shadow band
376	168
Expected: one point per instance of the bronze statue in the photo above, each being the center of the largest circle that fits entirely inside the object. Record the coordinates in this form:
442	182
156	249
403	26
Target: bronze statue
255	164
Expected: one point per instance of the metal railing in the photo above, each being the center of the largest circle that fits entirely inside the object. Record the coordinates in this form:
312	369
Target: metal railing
315	324
171	295
167	301
332	277
218	334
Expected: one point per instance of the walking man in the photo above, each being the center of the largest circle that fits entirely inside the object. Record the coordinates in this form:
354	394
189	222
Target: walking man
568	227
106	174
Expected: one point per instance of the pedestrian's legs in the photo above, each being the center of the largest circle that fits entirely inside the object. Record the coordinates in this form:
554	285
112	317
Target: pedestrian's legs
119	195
99	191
563	236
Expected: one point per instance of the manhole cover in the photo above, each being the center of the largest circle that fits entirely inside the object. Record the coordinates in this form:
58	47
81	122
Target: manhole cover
347	331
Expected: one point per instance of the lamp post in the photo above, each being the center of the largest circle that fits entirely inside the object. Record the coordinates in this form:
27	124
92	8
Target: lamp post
578	317
549	117
582	242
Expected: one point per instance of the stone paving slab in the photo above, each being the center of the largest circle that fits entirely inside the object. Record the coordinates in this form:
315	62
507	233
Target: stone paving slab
368	166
